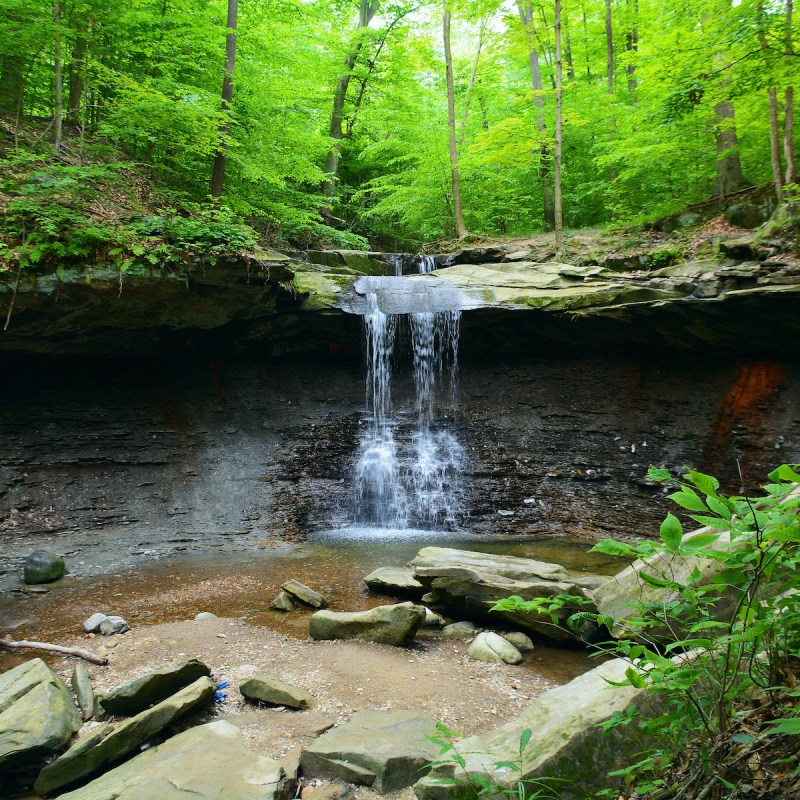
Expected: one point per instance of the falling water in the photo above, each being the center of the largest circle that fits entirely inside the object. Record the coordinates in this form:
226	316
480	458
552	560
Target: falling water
426	264
407	473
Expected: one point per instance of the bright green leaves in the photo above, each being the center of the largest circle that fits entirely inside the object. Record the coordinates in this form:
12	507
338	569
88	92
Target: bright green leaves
689	499
671	533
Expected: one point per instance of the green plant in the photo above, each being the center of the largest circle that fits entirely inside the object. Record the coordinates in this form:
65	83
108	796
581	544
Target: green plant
484	783
713	629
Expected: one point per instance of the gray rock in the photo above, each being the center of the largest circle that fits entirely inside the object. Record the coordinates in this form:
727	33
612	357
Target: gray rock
283	602
590	582
207	763
266	689
520	640
114	625
85	761
394	581
304	594
432	561
37	715
144	692
328	791
566	742
82	686
432	619
203	615
387	750
396	624
460	630
43	566
494	649
92	625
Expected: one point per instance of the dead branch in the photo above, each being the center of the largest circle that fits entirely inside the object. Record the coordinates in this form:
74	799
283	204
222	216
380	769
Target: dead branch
55	648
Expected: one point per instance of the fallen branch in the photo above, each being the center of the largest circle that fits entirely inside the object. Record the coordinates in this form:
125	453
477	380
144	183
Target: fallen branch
67	651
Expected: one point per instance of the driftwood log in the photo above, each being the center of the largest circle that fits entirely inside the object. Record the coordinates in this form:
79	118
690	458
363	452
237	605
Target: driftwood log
55	648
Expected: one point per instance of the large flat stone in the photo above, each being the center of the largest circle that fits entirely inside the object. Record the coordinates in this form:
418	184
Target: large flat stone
81	762
394	581
206	763
37	714
432	561
387	750
566	742
144	692
395	624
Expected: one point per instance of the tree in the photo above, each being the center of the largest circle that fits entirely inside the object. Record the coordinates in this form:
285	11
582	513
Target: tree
559	211
220	159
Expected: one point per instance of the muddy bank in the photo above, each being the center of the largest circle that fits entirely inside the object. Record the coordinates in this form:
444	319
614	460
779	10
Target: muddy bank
118	462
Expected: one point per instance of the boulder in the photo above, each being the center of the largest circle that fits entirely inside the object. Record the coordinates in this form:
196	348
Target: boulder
566	742
111	626
467	584
394	581
494	649
283	602
86	760
84	694
43	566
460	630
144	692
37	715
304	594
520	640
206	763
204	615
92	625
432	619
266	689
396	624
386	750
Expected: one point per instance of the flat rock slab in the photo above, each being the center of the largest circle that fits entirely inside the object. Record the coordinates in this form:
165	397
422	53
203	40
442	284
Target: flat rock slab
266	689
396	624
144	692
305	594
37	714
83	760
207	763
387	750
566	741
394	580
434	561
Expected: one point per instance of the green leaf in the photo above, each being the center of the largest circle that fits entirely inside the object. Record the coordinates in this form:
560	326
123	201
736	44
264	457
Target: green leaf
658	475
671	532
787	725
610	547
785	473
687	498
710	522
720	506
524	738
705	483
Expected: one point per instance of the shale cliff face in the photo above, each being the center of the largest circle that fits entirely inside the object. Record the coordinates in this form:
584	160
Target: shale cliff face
745	300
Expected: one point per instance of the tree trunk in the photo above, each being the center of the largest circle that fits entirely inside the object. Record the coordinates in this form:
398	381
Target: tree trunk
632	46
609	49
458	214
568	52
729	168
58	115
775	143
76	74
788	114
559	213
221	158
472	77
367	10
526	15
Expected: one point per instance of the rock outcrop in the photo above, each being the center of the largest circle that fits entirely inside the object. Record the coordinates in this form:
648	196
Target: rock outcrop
386	750
37	715
566	741
206	763
396	624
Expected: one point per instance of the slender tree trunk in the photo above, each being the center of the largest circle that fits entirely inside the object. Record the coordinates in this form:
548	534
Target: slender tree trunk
526	15
366	12
58	116
586	41
12	76
472	77
729	167
568	52
775	143
609	49
76	73
788	113
632	46
559	212
221	158
458	214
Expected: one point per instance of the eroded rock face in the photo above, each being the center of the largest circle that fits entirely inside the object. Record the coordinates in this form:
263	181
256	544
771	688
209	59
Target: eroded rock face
37	715
396	624
386	750
207	762
566	741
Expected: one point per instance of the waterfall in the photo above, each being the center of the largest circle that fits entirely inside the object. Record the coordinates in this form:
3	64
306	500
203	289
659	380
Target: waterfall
426	264
408	465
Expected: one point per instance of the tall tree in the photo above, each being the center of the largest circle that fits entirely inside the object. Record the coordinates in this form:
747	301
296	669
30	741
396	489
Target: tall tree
609	49
455	180
58	76
788	113
366	11
221	157
559	211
